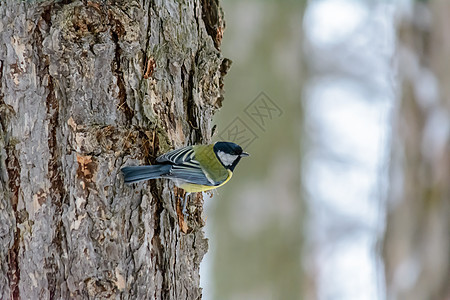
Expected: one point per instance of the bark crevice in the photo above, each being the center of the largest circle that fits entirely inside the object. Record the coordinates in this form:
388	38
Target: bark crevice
212	16
117	31
13	170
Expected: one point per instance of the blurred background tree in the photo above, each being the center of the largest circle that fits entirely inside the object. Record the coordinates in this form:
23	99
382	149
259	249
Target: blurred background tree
255	223
417	240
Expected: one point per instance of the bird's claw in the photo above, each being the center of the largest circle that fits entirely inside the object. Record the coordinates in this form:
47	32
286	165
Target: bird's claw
184	201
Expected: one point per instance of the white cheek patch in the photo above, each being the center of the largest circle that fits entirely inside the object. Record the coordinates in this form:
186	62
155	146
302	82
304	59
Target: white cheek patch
226	159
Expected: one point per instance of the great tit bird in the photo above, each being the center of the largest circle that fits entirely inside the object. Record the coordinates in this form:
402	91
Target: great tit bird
193	168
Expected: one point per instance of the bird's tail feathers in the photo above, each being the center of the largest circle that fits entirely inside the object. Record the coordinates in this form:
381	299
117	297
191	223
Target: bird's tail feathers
139	173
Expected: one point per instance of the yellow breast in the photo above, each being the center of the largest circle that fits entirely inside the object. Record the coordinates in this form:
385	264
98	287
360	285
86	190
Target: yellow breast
193	188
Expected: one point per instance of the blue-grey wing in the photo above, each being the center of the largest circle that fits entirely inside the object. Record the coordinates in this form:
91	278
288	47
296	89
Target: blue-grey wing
178	156
192	173
185	167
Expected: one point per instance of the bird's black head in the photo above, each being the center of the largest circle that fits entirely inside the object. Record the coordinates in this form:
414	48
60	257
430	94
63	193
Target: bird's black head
229	154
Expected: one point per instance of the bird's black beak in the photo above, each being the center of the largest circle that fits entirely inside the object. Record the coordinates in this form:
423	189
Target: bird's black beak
244	154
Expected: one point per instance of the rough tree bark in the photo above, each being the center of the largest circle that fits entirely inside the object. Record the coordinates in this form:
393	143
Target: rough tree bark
85	88
417	245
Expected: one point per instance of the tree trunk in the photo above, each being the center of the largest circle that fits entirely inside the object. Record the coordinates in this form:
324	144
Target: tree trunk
87	87
417	245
